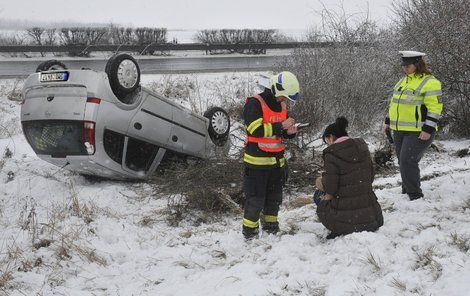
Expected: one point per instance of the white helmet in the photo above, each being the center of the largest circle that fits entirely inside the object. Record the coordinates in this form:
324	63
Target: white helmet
285	84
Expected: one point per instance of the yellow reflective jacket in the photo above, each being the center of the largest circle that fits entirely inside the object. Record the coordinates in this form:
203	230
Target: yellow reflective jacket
415	104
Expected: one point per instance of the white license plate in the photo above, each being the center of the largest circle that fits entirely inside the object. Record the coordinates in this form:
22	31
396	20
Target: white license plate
57	76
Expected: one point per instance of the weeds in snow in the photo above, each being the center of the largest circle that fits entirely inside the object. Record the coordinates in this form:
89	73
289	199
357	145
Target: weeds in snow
398	284
15	93
373	261
425	259
460	242
466	204
68	243
302	288
10	261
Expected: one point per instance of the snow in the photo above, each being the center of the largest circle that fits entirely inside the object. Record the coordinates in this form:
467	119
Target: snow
112	238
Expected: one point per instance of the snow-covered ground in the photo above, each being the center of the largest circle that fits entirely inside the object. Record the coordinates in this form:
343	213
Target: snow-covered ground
61	234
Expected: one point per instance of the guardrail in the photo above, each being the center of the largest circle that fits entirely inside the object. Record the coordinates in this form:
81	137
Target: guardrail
164	47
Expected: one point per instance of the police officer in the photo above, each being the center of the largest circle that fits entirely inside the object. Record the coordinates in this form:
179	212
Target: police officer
414	113
266	122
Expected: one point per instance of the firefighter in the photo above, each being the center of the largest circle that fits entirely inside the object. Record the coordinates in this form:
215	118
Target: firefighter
414	113
267	123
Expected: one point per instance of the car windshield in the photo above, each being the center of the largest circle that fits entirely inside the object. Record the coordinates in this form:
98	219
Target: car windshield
55	137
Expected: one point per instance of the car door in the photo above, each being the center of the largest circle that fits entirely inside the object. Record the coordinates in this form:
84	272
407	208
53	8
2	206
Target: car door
153	121
189	132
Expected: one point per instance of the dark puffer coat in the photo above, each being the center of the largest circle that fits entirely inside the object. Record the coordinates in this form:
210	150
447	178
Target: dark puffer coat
348	176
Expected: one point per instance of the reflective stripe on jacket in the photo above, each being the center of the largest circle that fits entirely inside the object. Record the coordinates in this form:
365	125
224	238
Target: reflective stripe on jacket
415	104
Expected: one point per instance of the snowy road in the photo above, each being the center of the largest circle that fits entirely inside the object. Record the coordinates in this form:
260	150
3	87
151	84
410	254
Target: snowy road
11	68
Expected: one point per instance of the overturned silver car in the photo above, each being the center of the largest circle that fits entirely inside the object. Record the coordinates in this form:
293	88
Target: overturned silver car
105	124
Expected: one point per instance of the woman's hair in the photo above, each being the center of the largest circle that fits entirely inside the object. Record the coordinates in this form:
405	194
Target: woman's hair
422	68
337	129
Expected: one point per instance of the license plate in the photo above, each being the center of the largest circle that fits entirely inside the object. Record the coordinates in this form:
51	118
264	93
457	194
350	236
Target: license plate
57	76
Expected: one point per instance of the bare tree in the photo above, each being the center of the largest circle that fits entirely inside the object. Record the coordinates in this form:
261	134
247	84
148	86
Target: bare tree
81	36
235	37
51	36
351	77
36	33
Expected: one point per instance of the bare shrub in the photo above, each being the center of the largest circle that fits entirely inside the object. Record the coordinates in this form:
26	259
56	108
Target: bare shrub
51	36
229	91
12	39
232	94
441	28
42	36
81	36
121	35
149	36
36	34
173	87
238	36
145	35
211	187
351	77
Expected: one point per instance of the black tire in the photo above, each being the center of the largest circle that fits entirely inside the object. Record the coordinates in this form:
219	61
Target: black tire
219	125
123	74
50	65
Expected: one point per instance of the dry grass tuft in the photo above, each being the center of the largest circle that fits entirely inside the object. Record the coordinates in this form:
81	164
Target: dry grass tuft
460	242
425	259
373	261
466	204
302	288
15	94
398	284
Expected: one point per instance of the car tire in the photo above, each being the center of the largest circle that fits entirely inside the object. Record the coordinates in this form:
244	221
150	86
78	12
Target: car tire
50	65
219	125
123	74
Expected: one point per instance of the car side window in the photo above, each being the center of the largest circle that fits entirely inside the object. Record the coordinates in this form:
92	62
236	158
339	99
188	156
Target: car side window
113	145
140	155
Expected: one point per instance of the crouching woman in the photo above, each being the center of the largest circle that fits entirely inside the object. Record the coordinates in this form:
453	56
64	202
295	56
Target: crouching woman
349	204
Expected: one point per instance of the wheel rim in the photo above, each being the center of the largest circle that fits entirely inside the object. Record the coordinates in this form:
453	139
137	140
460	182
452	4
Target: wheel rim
220	122
127	74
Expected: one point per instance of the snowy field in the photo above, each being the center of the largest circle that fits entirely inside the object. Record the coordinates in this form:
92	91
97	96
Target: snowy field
61	234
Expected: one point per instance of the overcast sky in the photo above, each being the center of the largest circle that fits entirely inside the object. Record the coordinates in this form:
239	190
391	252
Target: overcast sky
189	14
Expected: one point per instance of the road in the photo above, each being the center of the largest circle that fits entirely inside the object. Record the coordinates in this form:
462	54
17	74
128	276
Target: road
12	68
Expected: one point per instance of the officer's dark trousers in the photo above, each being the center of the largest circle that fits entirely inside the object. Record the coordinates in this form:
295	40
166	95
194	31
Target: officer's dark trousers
263	192
409	151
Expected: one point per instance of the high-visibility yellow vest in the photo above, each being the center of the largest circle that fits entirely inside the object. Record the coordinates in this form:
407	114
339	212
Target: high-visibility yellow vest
415	104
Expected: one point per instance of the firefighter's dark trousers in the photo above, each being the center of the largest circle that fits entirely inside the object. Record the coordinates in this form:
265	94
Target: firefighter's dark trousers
263	194
409	151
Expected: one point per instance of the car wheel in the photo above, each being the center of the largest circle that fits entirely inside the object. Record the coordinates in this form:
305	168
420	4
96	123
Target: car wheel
123	74
219	125
50	65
